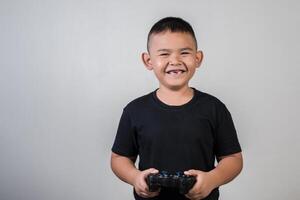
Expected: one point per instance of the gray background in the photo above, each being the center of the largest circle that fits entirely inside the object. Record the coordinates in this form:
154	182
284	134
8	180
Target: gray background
69	67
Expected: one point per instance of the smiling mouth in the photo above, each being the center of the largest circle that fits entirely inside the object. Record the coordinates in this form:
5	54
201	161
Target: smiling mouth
177	71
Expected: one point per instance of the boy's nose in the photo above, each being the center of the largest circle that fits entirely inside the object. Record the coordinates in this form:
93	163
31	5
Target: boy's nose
175	60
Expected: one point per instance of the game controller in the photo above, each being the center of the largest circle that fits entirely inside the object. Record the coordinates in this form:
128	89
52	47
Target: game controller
164	179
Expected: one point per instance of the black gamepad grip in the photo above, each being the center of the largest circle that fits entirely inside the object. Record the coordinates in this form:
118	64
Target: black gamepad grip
164	179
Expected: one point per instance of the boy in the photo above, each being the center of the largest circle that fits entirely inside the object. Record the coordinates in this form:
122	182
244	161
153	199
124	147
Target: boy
176	127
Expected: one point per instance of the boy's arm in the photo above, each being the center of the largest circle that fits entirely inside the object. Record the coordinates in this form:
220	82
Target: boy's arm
125	169
227	169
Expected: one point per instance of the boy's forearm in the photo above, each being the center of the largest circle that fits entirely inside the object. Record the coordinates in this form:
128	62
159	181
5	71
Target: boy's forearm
227	169
124	168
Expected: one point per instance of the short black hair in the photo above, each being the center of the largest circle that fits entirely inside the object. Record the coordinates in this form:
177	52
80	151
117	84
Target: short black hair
173	24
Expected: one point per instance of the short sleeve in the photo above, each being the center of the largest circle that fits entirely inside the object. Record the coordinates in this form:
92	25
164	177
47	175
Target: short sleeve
226	136
125	141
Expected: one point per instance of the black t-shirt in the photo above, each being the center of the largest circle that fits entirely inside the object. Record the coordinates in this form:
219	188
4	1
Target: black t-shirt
176	138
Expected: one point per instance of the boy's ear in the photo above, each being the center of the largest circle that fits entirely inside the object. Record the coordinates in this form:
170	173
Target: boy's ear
147	61
199	58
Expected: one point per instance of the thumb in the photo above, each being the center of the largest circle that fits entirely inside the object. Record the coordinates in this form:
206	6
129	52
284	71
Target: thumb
191	172
150	171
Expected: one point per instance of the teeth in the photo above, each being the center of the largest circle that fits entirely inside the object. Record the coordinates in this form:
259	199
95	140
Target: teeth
175	71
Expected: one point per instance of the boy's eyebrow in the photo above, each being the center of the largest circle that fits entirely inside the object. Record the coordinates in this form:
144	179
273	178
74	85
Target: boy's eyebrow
181	49
186	48
164	50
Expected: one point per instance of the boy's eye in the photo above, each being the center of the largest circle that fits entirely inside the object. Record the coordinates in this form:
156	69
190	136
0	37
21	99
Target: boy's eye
164	54
184	53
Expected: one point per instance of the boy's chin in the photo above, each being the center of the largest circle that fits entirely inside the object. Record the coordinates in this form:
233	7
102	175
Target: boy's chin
176	87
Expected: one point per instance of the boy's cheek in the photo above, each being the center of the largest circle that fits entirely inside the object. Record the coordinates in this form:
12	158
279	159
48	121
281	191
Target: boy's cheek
190	62
160	63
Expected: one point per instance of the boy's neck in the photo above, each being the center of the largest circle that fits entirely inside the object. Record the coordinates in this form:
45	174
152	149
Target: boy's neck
175	97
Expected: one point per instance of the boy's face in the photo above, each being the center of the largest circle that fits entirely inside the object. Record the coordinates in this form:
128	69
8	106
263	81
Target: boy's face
173	57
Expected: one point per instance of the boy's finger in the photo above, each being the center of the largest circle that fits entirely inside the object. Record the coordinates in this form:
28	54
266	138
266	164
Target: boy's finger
189	196
144	195
150	171
147	195
191	172
145	187
153	194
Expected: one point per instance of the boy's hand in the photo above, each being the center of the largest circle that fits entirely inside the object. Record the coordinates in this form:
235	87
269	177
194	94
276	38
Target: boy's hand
141	186
203	186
